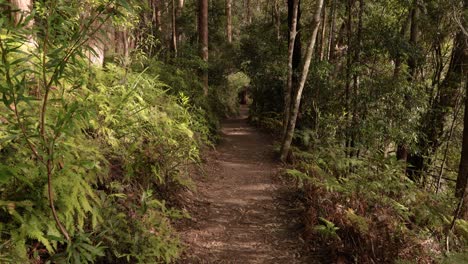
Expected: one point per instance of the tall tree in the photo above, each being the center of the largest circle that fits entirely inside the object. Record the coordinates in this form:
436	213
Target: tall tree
461	189
156	15
203	38
295	57
248	11
432	128
174	37
229	20
23	7
331	31
323	41
286	144
402	148
277	18
293	17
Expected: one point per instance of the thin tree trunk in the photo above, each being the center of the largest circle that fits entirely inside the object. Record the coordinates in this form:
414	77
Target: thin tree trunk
434	121
349	62
158	15
289	84
286	145
248	11
447	145
203	39
461	188
229	20
277	19
402	148
174	29
356	82
323	40
24	8
414	35
401	153
331	39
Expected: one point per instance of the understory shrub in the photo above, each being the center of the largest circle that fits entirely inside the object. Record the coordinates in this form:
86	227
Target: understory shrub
373	213
105	145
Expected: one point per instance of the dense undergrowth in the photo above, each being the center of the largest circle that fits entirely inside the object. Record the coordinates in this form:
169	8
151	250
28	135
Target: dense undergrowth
130	139
89	157
360	204
375	214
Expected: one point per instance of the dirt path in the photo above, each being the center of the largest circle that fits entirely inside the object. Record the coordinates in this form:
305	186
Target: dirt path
240	211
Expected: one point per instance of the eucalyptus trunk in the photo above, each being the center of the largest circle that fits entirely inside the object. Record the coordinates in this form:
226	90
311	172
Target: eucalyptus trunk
229	21
286	145
203	39
293	14
461	189
174	28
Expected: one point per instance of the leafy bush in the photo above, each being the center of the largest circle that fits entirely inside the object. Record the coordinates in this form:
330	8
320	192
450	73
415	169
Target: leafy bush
87	155
377	213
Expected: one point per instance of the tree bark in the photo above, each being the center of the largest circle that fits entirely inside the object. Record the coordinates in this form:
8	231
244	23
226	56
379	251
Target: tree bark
229	21
286	145
248	11
331	39
402	150
203	39
157	15
293	15
24	8
433	123
461	189
323	40
348	80
277	14
174	29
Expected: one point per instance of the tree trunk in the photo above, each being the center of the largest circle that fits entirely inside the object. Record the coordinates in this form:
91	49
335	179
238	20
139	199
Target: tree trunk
203	38
293	15
277	15
248	11
356	81
323	41
174	29
286	145
180	34
414	34
434	122
24	8
331	39
461	188
157	15
349	62
229	20
402	149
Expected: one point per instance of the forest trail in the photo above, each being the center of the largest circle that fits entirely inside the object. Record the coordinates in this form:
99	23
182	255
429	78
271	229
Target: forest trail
240	212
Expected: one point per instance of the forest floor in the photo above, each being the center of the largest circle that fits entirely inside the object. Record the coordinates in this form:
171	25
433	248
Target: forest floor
241	211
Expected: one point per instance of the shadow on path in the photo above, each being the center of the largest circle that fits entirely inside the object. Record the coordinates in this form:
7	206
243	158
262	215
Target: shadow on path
240	212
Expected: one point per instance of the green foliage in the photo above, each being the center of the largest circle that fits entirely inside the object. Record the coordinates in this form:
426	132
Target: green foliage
375	204
86	142
227	96
327	229
143	234
456	258
298	176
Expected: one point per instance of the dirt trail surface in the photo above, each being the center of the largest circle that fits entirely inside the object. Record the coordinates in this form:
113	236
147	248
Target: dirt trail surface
240	211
